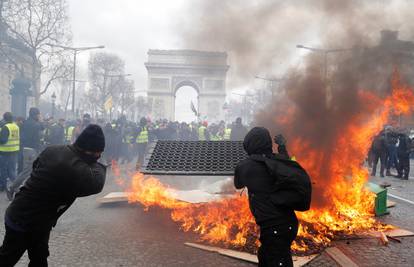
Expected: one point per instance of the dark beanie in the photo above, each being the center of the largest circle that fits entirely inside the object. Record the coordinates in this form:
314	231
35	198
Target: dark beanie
91	139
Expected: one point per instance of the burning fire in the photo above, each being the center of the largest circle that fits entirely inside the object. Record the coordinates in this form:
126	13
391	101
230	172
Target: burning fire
342	205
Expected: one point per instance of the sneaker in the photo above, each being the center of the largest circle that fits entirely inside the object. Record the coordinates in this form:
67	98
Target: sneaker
9	191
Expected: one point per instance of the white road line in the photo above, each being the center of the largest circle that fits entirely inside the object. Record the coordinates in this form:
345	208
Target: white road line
400	198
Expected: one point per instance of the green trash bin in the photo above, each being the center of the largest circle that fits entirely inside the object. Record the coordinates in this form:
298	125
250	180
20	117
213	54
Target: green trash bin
380	199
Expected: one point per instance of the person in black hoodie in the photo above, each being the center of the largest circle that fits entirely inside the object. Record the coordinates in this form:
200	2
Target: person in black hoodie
60	174
278	224
32	130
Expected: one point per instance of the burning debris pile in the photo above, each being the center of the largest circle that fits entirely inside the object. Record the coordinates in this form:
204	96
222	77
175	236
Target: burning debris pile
341	203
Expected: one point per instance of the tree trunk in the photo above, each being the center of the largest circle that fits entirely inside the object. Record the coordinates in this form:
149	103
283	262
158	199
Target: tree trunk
34	79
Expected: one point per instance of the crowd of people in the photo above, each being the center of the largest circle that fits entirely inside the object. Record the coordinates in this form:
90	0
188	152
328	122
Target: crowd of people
126	141
392	148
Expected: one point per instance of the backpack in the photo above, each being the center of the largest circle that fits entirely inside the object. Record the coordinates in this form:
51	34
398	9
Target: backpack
292	185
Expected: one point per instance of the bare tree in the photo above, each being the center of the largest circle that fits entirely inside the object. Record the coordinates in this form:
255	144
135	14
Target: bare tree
127	91
105	78
36	24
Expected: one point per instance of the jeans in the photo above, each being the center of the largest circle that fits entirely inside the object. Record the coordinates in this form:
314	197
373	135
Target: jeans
8	167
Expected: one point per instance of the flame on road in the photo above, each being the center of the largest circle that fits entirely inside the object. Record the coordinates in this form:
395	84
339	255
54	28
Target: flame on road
341	203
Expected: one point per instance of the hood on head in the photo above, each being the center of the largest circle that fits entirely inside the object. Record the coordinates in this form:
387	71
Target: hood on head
91	139
258	141
34	112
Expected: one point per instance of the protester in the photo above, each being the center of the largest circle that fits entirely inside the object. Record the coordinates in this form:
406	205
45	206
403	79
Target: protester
238	131
32	130
56	133
403	153
270	204
60	175
141	141
379	152
86	120
9	149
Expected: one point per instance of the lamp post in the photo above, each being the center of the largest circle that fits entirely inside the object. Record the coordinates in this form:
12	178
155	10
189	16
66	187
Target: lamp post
325	53
274	80
244	113
75	51
53	104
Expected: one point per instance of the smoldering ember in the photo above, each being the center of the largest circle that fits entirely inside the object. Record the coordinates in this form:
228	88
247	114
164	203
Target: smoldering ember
206	133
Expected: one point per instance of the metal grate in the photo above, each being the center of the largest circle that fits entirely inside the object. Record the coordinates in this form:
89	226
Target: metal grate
193	157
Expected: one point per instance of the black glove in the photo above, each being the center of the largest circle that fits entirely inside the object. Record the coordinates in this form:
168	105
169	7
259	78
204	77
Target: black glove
280	140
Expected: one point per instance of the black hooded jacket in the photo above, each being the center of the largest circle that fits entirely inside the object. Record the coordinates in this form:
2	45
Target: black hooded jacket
31	133
60	175
260	184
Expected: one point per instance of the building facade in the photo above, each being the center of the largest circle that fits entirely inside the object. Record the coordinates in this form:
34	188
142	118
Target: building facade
15	62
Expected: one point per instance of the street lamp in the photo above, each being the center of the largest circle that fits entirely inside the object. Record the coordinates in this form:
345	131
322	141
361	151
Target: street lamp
244	113
278	80
53	104
75	51
325	53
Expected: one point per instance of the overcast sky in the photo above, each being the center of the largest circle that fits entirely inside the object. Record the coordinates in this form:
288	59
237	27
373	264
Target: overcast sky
126	27
129	28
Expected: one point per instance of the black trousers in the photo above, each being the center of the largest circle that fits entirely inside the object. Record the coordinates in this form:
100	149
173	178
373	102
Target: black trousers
381	156
275	245
16	243
403	165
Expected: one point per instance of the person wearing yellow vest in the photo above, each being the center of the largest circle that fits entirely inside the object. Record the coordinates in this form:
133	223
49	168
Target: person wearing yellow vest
203	132
141	141
69	134
227	134
9	149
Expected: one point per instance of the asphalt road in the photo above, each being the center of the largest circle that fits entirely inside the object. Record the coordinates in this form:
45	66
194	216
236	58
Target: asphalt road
89	234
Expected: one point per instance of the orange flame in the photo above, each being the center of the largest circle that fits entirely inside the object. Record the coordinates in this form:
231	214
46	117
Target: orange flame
342	204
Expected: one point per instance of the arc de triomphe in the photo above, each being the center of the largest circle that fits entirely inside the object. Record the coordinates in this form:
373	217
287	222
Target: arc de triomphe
168	70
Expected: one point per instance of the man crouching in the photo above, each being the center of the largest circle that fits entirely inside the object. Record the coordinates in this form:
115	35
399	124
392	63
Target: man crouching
60	174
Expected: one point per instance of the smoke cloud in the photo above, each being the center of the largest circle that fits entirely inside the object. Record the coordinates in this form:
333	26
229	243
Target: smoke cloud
319	99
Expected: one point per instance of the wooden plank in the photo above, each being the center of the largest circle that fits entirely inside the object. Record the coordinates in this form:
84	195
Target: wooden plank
297	261
391	204
239	255
114	197
399	233
203	247
384	239
390	233
189	196
195	196
340	258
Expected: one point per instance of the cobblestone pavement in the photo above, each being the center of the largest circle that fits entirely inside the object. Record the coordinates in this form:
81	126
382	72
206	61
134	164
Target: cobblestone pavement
124	235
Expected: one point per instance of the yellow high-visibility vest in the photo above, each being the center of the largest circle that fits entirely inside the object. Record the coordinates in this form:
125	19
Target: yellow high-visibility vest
142	138
227	133
13	142
202	133
69	133
128	139
215	137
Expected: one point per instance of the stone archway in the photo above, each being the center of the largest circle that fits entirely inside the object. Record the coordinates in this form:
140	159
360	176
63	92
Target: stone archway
206	72
184	94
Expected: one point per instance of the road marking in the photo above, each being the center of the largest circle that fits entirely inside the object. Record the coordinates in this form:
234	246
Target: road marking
400	198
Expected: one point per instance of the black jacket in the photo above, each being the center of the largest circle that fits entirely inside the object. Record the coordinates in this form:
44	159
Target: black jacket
260	183
60	174
238	132
31	133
